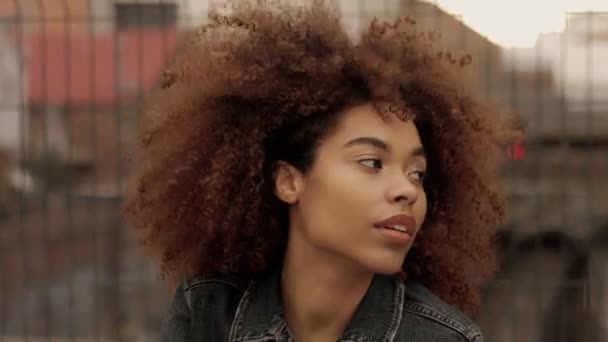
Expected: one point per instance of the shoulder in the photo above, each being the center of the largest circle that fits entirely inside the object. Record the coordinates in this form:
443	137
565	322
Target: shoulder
203	308
424	307
229	282
226	287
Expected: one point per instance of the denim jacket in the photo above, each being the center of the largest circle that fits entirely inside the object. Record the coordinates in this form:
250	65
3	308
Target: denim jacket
231	309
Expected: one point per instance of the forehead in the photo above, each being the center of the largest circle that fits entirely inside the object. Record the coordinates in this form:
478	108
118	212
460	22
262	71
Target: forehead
364	120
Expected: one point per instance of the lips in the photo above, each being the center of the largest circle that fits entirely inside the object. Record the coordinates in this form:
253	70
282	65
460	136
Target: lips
400	222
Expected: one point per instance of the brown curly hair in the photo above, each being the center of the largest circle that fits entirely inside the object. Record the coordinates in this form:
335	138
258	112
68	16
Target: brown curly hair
263	83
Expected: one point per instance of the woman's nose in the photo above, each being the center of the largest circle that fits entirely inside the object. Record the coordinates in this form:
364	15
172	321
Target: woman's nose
402	190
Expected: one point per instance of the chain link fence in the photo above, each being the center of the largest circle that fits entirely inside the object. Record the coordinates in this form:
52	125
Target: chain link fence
73	74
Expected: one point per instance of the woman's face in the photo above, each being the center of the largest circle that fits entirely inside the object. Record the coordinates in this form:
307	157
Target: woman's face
366	171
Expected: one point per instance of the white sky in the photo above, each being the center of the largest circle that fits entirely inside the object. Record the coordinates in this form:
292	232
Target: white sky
517	23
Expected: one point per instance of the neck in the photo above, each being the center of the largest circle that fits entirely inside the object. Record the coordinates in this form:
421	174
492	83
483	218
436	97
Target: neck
320	292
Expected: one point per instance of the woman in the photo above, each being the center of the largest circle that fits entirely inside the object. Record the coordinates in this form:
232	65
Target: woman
298	185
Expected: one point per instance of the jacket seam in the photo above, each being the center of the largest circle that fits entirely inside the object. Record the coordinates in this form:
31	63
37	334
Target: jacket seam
244	303
199	282
427	312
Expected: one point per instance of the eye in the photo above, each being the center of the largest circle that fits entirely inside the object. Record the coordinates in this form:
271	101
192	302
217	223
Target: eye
418	175
371	162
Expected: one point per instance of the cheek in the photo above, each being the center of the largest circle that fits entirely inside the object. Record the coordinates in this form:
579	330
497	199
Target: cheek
349	196
332	201
326	198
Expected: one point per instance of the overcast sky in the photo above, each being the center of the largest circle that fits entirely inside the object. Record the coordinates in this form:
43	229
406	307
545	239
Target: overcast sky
517	23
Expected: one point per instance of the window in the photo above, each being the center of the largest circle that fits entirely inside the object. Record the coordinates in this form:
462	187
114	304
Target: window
145	15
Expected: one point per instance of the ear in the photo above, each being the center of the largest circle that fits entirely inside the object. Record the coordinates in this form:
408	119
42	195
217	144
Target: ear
289	182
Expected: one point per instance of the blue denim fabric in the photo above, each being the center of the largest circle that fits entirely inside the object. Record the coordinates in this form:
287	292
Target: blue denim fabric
232	309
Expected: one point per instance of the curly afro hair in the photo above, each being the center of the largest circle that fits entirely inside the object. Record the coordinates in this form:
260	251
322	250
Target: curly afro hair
263	83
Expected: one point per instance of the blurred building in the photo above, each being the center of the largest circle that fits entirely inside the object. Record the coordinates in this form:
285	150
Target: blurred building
71	268
574	59
487	70
585	52
560	87
11	110
88	65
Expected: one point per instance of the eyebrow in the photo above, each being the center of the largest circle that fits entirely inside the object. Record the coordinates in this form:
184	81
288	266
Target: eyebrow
381	145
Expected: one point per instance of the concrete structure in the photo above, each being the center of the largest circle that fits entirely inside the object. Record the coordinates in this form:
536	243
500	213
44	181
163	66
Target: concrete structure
486	73
13	121
574	60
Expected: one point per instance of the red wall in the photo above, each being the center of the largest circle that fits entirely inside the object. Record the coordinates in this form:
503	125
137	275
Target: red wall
101	69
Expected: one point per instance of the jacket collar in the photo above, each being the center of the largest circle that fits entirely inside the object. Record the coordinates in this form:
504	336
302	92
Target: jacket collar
260	316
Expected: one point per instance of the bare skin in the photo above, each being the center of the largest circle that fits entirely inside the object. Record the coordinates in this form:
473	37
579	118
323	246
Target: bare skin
333	249
320	297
